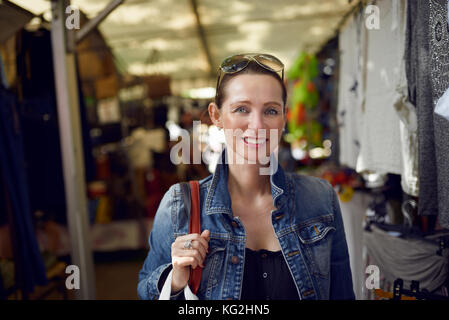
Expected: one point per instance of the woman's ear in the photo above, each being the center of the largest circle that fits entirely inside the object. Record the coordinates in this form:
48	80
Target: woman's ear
214	114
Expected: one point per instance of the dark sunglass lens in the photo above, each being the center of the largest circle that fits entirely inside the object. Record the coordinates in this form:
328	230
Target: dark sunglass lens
234	64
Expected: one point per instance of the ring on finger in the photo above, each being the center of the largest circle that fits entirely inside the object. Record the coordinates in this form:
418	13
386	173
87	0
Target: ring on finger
188	244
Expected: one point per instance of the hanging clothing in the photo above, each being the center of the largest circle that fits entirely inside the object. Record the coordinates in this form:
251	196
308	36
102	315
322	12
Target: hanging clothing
353	213
406	111
42	149
427	69
40	130
408	259
380	143
14	181
377	124
442	161
350	90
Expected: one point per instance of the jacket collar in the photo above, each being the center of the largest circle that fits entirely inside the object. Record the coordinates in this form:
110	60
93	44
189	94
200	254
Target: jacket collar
218	199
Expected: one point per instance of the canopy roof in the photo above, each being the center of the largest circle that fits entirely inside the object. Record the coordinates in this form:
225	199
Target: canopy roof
187	39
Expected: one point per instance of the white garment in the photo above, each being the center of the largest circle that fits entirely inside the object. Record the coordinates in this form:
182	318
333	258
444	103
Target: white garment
349	91
353	213
406	111
380	137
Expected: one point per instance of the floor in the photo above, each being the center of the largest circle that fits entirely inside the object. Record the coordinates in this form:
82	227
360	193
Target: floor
116	276
117	280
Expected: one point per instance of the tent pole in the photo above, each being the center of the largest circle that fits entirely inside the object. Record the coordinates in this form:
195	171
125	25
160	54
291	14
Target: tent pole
72	151
93	23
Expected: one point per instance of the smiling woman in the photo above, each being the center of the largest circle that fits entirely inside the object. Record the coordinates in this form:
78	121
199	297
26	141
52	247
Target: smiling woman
264	236
250	106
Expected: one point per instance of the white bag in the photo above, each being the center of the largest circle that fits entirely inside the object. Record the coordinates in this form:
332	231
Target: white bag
166	290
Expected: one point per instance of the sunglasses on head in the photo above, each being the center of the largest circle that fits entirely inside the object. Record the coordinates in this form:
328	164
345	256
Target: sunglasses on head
238	62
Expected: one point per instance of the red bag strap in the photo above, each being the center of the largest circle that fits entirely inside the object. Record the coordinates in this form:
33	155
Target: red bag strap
195	227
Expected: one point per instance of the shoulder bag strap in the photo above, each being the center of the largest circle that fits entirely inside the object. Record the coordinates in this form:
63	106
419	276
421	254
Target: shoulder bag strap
195	227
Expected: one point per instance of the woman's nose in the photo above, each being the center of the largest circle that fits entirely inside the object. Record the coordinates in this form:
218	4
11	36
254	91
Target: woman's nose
256	121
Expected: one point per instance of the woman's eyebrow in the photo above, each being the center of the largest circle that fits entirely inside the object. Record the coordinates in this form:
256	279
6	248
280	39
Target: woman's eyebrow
273	102
241	101
249	102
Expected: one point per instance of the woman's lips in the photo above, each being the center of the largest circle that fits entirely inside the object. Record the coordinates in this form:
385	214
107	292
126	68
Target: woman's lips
254	143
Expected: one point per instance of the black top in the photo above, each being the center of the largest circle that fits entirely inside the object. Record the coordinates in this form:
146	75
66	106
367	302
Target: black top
267	277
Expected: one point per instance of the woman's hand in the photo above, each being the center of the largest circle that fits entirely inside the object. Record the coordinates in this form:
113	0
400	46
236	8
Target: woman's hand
183	258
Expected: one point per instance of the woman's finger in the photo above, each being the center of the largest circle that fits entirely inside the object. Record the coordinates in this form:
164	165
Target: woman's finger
195	253
200	247
206	235
193	237
182	262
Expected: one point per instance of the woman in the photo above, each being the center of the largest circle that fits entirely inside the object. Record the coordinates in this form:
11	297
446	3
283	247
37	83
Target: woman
266	234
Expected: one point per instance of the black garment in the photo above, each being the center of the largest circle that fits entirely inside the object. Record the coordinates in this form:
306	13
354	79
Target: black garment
14	202
267	277
427	69
38	117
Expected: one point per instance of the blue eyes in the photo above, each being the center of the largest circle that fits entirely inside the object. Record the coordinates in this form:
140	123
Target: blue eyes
270	111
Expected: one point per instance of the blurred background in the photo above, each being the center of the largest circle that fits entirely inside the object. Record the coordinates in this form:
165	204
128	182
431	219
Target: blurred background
94	95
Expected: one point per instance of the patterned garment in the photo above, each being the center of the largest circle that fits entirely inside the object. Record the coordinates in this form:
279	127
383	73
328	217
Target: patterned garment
427	67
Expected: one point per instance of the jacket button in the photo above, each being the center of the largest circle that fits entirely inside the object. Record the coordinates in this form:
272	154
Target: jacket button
235	259
234	224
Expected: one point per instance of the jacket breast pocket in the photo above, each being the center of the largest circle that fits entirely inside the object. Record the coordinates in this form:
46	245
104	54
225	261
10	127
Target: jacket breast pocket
316	240
213	268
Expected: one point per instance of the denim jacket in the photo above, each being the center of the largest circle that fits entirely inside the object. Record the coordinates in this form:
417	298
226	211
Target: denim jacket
307	222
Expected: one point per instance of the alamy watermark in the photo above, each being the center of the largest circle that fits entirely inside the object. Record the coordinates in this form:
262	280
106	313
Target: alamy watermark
73	280
372	21
373	280
260	147
73	19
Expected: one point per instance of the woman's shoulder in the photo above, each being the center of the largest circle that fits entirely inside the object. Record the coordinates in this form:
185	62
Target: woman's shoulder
175	192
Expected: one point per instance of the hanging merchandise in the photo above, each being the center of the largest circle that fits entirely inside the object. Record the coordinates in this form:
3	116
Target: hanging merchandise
29	266
301	126
408	124
350	90
411	258
377	124
353	221
39	119
380	143
427	69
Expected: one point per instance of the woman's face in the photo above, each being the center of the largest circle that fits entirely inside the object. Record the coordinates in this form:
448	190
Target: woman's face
252	116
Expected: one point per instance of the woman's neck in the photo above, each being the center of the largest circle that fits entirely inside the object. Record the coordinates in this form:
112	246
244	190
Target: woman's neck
246	180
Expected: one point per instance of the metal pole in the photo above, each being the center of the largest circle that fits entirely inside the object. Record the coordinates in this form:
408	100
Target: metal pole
72	151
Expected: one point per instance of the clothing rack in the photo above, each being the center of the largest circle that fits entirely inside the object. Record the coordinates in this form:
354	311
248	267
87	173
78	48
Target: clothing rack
399	291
